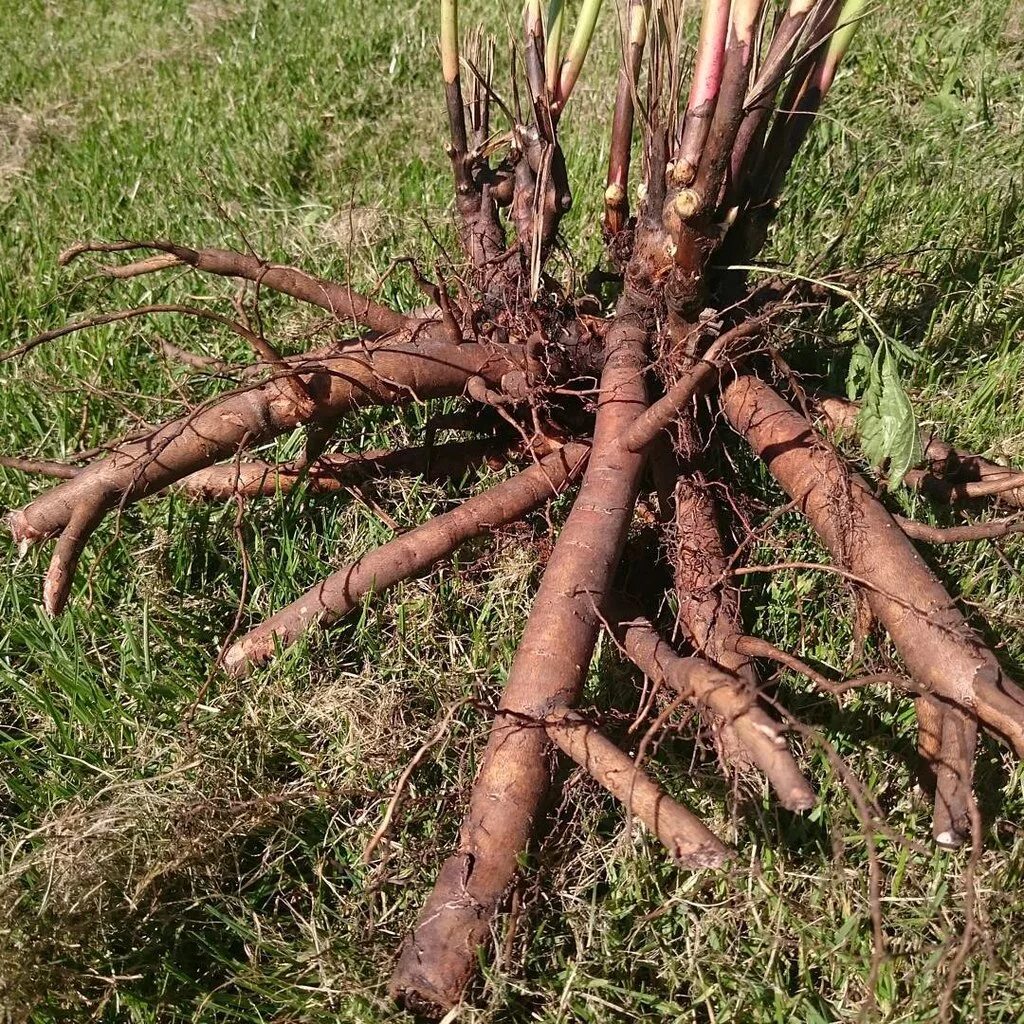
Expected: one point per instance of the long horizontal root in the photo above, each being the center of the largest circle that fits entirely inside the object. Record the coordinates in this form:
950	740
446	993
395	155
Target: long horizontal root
392	371
407	555
439	956
992	530
338	299
255	478
726	695
332	473
40	467
943	654
134	313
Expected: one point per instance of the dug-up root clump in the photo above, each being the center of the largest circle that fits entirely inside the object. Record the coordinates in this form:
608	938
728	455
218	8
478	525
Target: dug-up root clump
684	366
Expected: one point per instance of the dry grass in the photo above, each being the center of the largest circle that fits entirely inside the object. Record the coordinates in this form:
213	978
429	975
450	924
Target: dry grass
20	132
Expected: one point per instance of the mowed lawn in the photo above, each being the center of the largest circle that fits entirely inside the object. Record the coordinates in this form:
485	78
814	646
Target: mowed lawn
175	846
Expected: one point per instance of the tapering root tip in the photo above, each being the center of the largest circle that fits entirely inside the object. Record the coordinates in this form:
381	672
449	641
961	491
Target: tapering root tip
66	555
687	839
407	555
725	695
947	741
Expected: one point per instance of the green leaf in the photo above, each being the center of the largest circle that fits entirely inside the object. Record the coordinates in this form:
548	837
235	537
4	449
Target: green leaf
887	425
859	372
905	450
870	427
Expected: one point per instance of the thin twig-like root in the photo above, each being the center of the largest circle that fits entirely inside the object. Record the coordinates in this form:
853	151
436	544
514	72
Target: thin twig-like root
960	534
396	370
41	467
950	474
943	654
193	360
756	647
335	472
726	695
339	300
407	555
687	839
133	313
946	741
547	674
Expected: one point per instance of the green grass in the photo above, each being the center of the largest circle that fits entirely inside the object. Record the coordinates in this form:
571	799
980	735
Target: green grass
176	847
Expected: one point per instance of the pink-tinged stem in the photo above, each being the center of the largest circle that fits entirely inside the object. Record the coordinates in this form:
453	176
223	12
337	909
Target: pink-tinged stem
616	196
707	80
849	19
799	105
725	123
453	93
760	100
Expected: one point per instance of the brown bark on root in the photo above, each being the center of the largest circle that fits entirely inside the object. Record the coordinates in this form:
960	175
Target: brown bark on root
255	478
686	838
709	612
960	534
944	655
332	473
40	467
946	741
407	556
338	299
725	694
393	371
547	674
708	607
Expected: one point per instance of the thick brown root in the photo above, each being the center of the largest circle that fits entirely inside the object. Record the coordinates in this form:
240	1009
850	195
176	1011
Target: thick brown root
688	840
943	654
946	741
727	695
397	370
406	556
440	955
